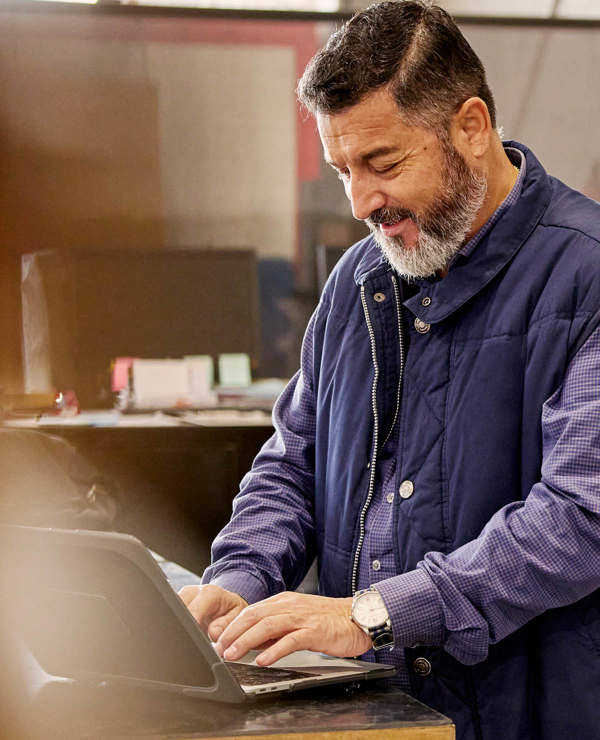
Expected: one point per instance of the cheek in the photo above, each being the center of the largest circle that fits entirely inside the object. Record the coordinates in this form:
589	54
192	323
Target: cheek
416	193
430	196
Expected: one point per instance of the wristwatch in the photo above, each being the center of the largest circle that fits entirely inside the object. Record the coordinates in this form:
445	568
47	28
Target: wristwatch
370	614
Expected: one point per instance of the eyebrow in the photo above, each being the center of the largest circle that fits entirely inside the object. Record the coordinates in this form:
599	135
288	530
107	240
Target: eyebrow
373	154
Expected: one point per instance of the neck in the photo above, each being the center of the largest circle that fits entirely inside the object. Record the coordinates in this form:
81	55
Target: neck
502	175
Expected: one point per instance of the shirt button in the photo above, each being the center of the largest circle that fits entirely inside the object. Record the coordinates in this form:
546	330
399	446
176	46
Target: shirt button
406	489
421	326
422	667
426	301
376	565
390	497
379	297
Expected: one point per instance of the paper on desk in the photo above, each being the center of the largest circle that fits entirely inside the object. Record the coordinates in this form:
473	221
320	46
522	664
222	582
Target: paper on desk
84	419
226	417
200	379
160	383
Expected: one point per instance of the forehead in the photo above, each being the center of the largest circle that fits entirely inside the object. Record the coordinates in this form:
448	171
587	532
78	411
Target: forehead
374	124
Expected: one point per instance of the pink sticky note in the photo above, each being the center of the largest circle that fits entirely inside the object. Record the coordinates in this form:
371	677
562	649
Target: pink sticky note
120	373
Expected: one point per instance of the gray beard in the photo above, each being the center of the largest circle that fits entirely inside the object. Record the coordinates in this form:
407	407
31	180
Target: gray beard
443	229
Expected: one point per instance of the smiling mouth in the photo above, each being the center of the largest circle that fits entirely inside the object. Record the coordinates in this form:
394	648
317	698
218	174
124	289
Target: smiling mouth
395	228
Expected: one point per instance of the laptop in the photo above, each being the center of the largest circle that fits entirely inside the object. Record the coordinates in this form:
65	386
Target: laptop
95	607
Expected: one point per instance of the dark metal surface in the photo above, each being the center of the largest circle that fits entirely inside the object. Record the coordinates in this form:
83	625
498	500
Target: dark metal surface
63	710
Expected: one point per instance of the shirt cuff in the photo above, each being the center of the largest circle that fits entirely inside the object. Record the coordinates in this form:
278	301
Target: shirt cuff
246	585
415	609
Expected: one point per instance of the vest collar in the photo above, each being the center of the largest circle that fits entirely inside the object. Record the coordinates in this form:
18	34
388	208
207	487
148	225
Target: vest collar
372	262
468	275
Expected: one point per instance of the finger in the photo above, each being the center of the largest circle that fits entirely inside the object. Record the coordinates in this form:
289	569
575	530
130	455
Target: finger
206	606
270	628
296	606
289	643
188	593
217	626
246	619
202	612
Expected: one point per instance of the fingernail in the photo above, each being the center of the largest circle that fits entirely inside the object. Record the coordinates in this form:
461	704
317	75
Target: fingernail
231	653
262	659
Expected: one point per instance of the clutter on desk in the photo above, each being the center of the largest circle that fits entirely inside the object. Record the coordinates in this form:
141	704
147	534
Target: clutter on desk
189	383
59	403
260	394
163	383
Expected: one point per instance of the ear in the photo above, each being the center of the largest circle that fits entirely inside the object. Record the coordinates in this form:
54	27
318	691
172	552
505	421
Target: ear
471	129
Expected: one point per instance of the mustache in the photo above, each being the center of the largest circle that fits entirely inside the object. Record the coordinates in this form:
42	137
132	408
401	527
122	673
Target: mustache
391	216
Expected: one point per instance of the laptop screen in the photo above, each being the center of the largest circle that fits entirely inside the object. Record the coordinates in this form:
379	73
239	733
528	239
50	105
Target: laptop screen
92	610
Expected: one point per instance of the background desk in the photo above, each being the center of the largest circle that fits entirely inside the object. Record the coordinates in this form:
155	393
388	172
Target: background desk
177	479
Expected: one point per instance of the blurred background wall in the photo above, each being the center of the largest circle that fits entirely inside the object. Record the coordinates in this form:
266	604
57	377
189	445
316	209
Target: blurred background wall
121	127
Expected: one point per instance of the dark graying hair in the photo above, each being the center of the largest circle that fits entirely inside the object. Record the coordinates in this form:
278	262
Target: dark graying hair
414	48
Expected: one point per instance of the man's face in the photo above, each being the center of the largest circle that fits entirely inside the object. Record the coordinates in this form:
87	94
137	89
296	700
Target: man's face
416	192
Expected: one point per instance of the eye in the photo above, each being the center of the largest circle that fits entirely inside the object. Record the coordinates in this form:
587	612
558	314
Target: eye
387	168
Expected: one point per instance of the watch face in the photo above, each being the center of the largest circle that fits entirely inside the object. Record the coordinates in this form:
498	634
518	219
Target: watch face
369	610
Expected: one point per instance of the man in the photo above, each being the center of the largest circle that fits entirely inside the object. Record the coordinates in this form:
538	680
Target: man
441	442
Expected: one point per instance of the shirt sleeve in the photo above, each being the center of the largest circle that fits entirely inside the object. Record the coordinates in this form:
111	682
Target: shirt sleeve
533	555
269	542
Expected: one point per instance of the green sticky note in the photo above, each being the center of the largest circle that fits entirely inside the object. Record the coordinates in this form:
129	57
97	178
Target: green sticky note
234	370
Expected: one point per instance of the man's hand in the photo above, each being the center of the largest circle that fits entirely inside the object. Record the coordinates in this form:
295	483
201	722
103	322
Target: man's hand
290	621
212	607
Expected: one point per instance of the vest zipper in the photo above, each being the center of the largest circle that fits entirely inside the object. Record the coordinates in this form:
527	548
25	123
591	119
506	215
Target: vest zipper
373	462
401	348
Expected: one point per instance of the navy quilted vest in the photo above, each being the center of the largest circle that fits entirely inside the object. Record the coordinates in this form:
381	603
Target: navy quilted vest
503	325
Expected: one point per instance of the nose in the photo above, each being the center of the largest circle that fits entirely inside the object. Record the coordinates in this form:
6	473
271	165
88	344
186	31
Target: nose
364	196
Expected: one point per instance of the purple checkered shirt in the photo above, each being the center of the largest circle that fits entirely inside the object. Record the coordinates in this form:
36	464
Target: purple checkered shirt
571	434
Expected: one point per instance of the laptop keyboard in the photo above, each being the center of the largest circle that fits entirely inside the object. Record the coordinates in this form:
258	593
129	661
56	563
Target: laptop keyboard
255	675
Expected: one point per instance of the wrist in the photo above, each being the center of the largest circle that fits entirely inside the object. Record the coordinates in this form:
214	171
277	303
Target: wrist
369	613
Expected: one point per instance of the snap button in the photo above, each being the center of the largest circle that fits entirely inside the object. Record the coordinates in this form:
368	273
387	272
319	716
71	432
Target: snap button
426	301
422	667
406	489
421	326
376	565
390	497
379	297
